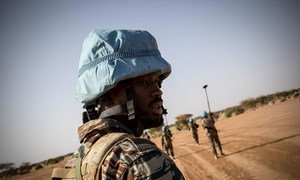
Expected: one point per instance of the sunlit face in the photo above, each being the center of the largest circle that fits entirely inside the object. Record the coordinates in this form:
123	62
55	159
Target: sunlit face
148	95
147	100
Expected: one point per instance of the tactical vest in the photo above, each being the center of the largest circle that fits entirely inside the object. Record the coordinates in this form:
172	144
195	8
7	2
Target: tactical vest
90	158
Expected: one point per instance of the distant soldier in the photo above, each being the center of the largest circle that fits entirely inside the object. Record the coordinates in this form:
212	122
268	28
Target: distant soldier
166	141
194	127
208	123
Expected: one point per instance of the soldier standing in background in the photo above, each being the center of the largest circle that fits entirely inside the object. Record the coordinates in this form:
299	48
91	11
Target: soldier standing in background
119	80
194	127
208	123
166	141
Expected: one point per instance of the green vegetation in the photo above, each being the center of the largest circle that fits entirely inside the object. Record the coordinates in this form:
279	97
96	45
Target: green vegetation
25	168
236	110
9	169
260	101
53	160
39	166
156	132
182	121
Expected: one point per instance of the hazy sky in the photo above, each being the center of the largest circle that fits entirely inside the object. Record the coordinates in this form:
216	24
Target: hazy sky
241	49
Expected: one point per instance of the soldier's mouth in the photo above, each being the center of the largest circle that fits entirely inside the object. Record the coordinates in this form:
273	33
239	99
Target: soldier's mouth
156	108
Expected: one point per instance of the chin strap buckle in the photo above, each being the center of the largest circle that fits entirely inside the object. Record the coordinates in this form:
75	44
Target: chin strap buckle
130	110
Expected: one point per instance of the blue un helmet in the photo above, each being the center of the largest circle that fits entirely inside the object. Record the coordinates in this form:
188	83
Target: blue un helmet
204	114
111	56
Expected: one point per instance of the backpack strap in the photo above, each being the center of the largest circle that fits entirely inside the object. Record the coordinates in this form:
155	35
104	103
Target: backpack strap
63	173
70	173
78	163
92	162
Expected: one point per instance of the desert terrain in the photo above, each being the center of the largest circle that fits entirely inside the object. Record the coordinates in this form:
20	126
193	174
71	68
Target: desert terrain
259	144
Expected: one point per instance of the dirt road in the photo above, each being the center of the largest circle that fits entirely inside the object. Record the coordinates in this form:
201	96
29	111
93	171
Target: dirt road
260	144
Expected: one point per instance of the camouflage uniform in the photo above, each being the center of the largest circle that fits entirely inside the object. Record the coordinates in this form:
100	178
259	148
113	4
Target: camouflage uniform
145	135
166	142
212	134
194	126
130	158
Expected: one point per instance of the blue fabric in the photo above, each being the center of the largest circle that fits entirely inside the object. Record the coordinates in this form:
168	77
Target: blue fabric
110	56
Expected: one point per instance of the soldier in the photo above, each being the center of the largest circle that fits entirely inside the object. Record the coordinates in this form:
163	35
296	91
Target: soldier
166	141
194	127
212	133
119	80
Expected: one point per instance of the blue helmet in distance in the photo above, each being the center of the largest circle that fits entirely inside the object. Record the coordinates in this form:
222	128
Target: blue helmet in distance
204	114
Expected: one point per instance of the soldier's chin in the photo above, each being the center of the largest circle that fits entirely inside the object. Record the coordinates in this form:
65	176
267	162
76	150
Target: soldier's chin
149	121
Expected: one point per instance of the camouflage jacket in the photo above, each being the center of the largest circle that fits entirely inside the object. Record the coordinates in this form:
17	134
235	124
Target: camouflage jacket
209	124
129	158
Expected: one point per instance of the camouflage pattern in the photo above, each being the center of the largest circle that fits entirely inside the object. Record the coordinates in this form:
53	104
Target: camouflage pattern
129	158
212	134
166	142
145	135
194	127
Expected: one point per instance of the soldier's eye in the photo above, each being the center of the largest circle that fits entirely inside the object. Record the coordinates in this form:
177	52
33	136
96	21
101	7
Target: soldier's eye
144	82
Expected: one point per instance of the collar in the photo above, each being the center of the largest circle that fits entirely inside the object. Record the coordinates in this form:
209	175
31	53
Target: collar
100	127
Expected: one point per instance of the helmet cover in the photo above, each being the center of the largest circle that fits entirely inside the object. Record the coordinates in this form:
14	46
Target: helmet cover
111	56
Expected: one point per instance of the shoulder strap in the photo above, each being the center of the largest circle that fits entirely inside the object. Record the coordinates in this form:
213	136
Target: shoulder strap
78	163
70	173
92	162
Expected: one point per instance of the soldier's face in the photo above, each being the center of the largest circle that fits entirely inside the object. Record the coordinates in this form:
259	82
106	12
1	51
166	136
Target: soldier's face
148	100
148	95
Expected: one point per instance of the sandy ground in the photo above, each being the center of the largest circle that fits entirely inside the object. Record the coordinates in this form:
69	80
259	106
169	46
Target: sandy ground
259	144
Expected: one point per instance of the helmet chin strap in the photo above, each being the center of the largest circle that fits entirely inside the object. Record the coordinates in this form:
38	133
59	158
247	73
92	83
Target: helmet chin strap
113	111
133	118
128	109
135	124
121	109
136	121
130	101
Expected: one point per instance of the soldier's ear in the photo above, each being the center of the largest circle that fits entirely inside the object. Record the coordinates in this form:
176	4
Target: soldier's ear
104	102
106	98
